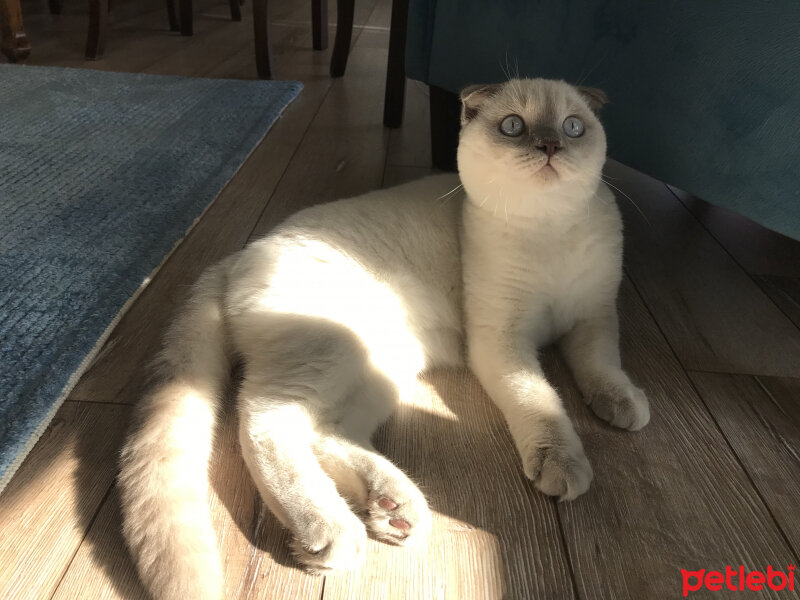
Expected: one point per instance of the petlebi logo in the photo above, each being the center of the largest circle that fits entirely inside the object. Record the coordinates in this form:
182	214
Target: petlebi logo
738	580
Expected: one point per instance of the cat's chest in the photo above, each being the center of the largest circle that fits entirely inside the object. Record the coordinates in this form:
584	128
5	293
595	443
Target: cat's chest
557	273
545	281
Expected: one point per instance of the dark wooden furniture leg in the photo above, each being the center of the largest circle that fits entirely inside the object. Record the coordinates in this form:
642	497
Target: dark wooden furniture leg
261	35
186	17
14	42
55	6
172	16
394	98
319	23
236	10
445	124
344	33
98	22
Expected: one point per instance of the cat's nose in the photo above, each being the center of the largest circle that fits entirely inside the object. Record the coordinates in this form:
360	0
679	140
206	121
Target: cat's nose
549	147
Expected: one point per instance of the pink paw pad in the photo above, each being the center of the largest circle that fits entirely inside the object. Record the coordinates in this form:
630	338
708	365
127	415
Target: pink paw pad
387	504
400	524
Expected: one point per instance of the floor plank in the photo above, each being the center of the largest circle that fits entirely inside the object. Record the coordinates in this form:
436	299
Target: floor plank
336	161
760	417
410	145
494	536
225	227
51	501
137	38
252	543
758	250
671	496
771	259
396	174
714	316
785	293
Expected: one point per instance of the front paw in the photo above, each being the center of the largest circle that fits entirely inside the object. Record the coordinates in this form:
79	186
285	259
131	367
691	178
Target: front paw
556	463
623	406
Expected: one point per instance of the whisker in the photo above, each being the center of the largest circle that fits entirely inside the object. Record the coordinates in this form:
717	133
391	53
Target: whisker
592	68
455	189
505	69
445	198
632	201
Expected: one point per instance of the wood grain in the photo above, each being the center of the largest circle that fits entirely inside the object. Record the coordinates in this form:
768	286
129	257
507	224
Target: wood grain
760	417
671	496
224	229
396	174
713	315
757	249
334	161
50	502
115	376
253	545
494	536
136	41
785	293
13	39
410	145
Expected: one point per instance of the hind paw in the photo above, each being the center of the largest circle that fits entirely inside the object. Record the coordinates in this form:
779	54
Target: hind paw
331	544
398	513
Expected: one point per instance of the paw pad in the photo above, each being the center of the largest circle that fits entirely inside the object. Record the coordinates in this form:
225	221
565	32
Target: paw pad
400	524
387	504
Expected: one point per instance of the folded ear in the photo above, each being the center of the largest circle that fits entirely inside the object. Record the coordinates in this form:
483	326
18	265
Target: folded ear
473	97
594	98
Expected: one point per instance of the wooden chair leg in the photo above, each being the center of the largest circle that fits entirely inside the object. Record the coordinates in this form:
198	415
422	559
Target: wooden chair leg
186	17
344	33
261	35
172	16
55	6
14	42
394	98
445	124
319	23
236	10
98	24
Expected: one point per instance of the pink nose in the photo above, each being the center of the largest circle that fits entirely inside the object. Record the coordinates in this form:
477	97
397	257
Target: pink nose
549	147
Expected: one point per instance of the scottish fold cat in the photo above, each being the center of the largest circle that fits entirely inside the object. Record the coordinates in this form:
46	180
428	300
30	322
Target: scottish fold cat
336	312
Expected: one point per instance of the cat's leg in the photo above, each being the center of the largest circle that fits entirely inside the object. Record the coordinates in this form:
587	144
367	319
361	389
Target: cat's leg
396	511
276	440
591	349
552	454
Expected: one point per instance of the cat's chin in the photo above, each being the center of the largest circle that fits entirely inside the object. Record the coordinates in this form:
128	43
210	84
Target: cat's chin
546	173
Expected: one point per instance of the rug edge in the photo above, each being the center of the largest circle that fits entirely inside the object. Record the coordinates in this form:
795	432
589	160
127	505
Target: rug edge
88	360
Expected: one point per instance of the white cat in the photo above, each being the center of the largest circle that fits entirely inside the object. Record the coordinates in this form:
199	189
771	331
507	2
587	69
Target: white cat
337	311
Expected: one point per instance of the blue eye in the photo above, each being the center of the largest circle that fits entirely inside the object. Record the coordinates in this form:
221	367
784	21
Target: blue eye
573	127
512	126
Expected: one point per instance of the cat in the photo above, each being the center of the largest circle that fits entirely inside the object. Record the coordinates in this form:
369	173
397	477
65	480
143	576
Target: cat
336	312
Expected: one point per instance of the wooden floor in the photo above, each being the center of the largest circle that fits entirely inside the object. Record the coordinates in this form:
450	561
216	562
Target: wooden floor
710	310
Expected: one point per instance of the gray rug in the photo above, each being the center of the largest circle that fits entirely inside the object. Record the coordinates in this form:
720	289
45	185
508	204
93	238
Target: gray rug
101	174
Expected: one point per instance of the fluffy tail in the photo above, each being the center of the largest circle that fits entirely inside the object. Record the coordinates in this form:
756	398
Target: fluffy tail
164	468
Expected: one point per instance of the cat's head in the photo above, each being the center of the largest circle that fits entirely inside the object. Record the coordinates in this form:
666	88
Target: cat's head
529	144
